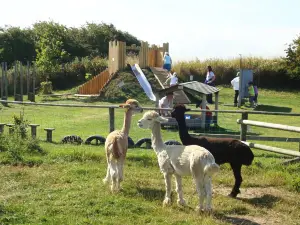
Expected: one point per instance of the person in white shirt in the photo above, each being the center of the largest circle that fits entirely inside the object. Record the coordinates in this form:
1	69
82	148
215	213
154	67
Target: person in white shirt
210	80
236	87
173	79
166	102
167	62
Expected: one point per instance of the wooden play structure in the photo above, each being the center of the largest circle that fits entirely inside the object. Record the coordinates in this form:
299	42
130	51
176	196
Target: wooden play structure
148	56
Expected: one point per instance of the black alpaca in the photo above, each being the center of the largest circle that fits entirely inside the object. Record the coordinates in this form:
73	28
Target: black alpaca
225	150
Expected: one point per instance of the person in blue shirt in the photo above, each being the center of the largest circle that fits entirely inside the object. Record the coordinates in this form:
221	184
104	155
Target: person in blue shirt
167	62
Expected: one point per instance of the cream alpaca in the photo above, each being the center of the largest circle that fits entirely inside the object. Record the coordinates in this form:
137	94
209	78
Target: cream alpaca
181	160
116	145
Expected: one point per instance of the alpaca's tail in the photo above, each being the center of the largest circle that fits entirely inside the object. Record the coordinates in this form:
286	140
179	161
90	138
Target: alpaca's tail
211	169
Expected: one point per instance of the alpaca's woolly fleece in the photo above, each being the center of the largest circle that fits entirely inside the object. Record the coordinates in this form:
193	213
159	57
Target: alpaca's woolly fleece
181	160
224	150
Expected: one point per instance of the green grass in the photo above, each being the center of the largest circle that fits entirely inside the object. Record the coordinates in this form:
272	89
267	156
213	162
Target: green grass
64	186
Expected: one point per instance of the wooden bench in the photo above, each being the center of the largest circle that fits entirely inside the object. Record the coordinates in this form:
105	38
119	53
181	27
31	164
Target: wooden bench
2	127
49	133
33	129
10	128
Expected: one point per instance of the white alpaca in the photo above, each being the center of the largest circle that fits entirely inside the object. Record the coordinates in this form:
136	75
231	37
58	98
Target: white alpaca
181	160
116	145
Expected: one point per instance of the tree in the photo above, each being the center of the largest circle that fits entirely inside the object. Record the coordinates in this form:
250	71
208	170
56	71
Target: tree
293	58
50	46
16	44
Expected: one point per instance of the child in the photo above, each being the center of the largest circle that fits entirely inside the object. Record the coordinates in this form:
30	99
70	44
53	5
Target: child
208	116
255	94
251	93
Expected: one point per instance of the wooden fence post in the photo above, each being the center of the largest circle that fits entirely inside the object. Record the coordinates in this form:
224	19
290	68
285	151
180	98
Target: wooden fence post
21	81
243	135
111	119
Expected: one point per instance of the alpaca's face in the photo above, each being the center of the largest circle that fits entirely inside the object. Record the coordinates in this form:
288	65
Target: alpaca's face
149	119
178	111
133	105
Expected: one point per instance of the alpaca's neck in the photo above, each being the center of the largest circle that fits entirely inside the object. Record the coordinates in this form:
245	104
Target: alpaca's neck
157	142
183	131
127	122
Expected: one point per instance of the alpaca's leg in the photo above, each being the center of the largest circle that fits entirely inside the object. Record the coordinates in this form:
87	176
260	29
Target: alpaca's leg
238	179
120	169
167	200
114	175
180	200
107	177
208	192
199	181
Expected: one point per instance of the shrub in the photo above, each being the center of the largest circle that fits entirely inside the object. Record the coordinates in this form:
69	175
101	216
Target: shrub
46	88
18	144
296	184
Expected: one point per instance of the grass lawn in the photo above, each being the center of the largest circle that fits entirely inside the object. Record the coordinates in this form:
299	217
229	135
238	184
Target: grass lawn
64	186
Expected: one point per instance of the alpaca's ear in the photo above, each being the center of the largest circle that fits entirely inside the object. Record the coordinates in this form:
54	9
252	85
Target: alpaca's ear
161	119
125	106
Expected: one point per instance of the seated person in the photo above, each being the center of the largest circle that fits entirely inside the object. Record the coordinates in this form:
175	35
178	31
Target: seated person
166	102
208	117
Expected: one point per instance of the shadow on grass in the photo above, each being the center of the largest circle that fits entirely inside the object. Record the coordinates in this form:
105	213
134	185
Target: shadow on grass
151	194
272	108
144	160
234	220
265	201
272	155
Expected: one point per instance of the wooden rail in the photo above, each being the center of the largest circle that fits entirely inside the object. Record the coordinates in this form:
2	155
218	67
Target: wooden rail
95	85
269	125
273	149
244	122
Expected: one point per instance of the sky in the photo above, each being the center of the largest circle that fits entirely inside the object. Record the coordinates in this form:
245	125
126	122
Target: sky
193	28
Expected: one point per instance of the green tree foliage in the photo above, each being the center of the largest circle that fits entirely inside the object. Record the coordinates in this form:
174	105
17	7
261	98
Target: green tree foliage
293	58
49	39
51	43
16	44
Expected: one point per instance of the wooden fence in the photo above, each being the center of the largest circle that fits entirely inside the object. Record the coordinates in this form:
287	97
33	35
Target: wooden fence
245	122
95	85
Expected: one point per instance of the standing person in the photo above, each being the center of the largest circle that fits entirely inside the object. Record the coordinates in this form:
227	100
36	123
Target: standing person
236	86
208	116
166	102
255	93
251	93
167	62
210	80
173	79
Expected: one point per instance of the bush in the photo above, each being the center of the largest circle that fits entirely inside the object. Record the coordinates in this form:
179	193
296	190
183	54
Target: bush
18	144
296	184
46	88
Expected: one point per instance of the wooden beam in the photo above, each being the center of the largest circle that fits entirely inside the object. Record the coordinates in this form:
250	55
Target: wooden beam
272	149
268	125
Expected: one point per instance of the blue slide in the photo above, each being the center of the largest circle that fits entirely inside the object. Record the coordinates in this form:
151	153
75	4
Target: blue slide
143	81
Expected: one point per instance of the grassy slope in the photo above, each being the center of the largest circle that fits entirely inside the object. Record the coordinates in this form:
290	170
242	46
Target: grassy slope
131	88
66	187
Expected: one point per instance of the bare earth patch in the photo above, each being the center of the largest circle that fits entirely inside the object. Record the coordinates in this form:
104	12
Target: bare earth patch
263	199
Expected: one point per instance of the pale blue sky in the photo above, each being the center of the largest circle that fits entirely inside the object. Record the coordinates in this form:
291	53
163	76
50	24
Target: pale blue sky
194	28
